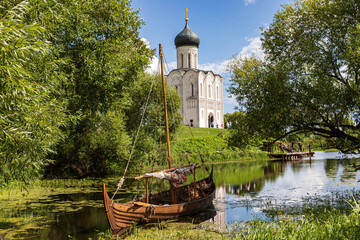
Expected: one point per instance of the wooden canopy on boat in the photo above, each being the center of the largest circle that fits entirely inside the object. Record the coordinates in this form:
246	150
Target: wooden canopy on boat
158	174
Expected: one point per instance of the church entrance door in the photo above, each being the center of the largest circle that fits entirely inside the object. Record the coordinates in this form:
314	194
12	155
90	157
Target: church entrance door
211	120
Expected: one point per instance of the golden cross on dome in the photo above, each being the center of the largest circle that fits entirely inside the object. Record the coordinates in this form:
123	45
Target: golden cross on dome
186	10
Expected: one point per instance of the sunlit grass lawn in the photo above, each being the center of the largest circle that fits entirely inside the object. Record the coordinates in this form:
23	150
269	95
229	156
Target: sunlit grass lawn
185	132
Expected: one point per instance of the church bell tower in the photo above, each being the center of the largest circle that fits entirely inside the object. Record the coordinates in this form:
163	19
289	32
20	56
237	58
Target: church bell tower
200	91
187	44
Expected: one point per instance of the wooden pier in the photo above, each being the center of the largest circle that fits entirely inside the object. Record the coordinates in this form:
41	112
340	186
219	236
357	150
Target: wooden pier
291	155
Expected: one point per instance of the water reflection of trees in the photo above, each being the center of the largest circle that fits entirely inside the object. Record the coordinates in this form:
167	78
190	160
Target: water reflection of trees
297	165
331	167
250	177
348	172
238	173
344	168
273	170
251	188
247	179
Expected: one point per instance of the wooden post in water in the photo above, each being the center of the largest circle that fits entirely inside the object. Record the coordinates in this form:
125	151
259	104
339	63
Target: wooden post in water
173	197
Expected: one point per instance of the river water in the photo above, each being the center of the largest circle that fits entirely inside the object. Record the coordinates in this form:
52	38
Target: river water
325	179
245	191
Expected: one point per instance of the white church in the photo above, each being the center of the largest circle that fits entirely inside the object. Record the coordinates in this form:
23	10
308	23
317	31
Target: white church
201	92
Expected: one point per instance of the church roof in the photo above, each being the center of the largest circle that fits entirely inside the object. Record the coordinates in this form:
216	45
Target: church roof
182	71
187	38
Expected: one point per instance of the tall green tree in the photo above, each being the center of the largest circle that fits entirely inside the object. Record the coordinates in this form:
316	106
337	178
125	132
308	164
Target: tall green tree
241	134
309	81
31	114
99	42
147	93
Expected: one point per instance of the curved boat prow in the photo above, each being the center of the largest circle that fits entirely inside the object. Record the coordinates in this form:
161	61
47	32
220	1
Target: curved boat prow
108	210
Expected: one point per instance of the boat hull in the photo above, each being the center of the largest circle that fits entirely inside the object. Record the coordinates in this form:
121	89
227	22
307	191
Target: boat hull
125	215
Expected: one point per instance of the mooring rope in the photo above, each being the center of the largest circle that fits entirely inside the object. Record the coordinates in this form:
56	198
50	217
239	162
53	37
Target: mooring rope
122	179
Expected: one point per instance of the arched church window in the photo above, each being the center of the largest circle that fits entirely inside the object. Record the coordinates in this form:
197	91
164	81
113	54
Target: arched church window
209	87
201	90
176	87
182	60
189	59
192	89
217	92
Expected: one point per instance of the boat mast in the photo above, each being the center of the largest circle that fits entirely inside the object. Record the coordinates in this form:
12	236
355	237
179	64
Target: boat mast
166	116
172	192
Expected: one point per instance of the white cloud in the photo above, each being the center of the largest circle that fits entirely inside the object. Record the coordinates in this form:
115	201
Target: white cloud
146	42
247	2
170	66
154	65
217	67
253	48
231	99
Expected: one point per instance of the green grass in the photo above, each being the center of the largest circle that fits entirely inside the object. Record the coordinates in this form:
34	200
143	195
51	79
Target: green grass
327	224
185	132
209	145
321	224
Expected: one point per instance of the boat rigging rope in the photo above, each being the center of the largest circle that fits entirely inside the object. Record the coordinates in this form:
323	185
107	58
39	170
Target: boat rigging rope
172	107
122	179
200	155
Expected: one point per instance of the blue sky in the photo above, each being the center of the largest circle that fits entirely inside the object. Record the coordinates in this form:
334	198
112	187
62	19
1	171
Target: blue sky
225	28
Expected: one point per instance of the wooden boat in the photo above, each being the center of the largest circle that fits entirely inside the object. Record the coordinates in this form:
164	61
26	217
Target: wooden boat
174	203
189	201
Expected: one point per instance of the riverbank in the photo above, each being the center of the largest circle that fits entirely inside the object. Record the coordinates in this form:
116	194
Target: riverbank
321	224
209	145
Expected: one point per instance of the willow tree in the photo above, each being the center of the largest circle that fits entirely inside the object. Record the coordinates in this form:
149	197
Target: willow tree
309	81
103	55
80	60
30	113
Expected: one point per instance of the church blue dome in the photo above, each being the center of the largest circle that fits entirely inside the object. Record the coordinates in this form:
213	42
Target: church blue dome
187	38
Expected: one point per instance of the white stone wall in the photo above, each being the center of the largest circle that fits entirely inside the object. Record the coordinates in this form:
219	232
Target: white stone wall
201	95
184	53
191	98
203	118
175	80
219	101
